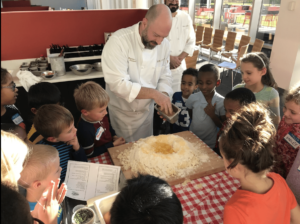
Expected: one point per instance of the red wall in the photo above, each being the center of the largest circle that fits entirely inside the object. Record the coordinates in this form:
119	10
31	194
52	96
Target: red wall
28	34
36	8
16	3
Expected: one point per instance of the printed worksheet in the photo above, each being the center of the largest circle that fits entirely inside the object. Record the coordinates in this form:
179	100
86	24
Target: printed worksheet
88	180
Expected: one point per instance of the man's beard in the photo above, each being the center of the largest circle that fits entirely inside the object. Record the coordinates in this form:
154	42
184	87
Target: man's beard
173	9
146	42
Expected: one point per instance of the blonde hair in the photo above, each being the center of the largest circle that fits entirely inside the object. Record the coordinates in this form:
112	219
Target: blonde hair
293	94
89	96
52	119
14	153
38	166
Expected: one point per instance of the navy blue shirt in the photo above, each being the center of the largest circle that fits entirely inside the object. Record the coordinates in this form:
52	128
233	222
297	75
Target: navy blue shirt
184	121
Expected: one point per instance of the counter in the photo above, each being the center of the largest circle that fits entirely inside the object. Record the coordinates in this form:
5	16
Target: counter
13	67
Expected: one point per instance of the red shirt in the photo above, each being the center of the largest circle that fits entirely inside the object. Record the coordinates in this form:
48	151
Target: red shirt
284	151
273	207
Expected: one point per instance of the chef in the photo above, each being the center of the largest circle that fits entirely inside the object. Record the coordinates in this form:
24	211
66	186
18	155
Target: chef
182	41
136	69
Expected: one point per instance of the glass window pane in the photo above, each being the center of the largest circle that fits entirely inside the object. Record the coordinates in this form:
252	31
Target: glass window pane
184	6
268	21
236	16
204	12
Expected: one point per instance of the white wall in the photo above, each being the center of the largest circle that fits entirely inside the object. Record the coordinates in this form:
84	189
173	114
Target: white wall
285	56
67	4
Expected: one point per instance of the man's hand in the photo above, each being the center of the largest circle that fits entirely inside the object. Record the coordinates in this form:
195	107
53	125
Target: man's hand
119	141
163	101
175	62
115	138
210	109
75	143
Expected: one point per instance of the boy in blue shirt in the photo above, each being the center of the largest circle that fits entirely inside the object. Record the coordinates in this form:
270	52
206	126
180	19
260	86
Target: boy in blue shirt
206	107
188	86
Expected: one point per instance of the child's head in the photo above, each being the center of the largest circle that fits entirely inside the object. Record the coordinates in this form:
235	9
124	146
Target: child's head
14	207
15	129
189	82
255	68
248	140
55	123
91	99
43	93
14	154
237	98
208	79
291	109
42	167
146	199
8	89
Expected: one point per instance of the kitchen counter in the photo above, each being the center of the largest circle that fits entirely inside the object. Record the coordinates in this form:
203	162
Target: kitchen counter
13	67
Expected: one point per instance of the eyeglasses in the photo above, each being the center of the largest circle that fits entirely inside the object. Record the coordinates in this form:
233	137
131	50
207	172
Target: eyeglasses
12	87
37	220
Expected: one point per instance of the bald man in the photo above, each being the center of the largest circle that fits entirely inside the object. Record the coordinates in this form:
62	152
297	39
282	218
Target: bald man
136	69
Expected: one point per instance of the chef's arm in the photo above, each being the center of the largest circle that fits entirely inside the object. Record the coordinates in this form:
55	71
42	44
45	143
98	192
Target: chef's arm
162	99
182	56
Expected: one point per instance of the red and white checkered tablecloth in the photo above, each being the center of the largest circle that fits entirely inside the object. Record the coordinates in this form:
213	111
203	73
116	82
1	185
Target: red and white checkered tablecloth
102	159
203	199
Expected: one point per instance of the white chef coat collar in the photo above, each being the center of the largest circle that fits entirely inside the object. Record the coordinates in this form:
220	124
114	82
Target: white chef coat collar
138	36
178	12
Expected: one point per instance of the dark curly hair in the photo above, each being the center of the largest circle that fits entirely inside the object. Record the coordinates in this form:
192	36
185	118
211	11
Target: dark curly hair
248	138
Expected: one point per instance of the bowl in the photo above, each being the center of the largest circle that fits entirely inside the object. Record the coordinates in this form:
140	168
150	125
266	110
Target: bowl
91	221
33	68
48	74
42	68
82	69
77	207
43	64
98	66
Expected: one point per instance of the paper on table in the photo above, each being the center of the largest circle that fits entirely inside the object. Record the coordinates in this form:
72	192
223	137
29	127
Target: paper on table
88	180
226	64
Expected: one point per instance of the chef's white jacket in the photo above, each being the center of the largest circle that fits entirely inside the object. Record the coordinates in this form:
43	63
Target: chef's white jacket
128	66
182	38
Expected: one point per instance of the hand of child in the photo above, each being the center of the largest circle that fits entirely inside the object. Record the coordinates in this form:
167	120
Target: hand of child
119	141
46	209
61	193
75	143
115	138
210	109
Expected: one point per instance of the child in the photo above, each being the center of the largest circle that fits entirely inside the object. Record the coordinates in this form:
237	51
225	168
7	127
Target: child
41	168
206	106
189	84
234	100
258	78
146	199
15	129
288	133
38	95
247	149
9	112
95	134
56	124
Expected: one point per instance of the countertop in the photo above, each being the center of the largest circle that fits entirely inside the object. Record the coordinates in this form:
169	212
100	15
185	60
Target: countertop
13	67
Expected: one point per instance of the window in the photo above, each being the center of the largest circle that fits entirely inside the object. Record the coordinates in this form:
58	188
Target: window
184	6
236	16
204	12
268	20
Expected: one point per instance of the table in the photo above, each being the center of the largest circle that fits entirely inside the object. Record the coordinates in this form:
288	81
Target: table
203	199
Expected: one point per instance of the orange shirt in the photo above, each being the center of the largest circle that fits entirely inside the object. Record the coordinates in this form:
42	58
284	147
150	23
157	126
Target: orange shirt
273	207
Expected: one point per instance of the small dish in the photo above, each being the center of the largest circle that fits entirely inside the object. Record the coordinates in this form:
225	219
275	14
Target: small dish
49	74
172	118
81	69
98	66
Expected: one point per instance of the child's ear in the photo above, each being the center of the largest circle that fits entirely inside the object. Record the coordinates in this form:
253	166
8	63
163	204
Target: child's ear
36	184
264	71
33	110
196	86
51	139
218	83
84	112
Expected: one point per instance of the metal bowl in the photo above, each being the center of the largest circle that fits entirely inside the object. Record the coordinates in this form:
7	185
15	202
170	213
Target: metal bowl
82	69
48	74
98	66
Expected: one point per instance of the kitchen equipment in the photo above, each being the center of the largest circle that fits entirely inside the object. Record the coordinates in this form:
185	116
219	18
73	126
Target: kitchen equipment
33	68
97	66
58	64
213	165
43	64
49	74
78	207
42	68
37	73
104	204
91	221
170	118
81	69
